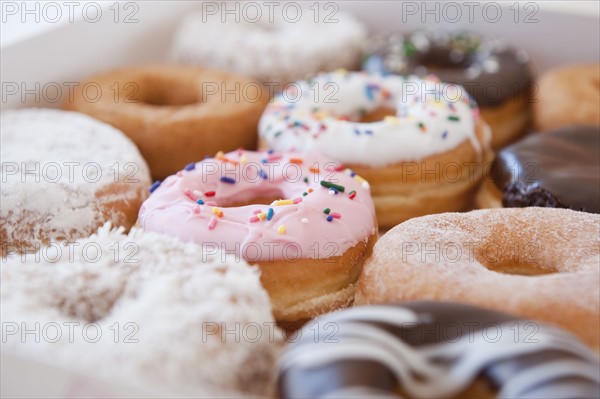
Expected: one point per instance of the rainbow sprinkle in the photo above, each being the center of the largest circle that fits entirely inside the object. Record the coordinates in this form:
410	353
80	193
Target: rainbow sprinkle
154	186
283	202
190	166
212	223
281	229
328	184
227	180
270	213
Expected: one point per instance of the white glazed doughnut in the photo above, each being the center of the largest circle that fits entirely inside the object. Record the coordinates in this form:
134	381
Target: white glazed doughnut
330	123
63	175
271	50
426	125
180	303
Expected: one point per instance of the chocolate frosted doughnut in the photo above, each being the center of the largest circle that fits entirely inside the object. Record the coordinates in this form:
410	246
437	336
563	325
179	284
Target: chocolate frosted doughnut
435	350
499	78
558	169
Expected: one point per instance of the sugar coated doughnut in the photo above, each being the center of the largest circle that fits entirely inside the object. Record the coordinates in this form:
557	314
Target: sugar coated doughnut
435	350
308	222
276	50
498	77
63	175
566	96
175	114
559	169
540	263
144	306
425	156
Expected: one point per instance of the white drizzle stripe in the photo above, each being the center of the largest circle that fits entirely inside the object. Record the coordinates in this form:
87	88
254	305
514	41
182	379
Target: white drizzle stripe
426	123
528	379
467	358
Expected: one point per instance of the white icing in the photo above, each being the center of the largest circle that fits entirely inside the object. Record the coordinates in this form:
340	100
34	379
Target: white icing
432	117
271	49
465	359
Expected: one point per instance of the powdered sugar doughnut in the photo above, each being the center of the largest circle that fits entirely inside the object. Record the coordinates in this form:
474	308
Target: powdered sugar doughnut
63	175
539	263
163	312
276	49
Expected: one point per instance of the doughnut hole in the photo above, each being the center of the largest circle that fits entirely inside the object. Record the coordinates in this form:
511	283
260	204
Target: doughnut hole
242	200
162	90
377	114
92	304
511	257
444	59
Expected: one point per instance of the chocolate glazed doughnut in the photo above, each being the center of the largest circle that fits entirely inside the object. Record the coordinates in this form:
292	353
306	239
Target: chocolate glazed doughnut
558	169
499	78
435	350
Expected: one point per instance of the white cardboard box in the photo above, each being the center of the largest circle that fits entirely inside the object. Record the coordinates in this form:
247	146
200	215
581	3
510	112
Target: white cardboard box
56	53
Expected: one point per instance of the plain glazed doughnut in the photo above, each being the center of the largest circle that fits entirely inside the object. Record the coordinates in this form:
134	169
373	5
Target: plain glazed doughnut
146	307
275	51
419	143
568	96
64	175
175	114
435	350
558	169
539	263
310	242
498	77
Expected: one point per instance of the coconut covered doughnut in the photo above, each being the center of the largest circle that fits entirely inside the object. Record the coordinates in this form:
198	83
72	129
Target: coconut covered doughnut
566	96
306	221
145	306
419	143
435	350
539	263
274	49
498	77
174	114
63	175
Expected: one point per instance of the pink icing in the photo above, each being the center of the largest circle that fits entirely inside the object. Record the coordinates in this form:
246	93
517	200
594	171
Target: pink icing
297	230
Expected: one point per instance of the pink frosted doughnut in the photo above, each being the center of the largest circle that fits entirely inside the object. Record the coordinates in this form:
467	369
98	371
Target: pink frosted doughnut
310	242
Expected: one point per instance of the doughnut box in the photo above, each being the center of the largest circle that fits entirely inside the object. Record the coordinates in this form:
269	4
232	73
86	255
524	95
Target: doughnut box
215	242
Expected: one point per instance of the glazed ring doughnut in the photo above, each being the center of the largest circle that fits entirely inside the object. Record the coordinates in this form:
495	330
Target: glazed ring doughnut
175	114
435	350
557	169
146	306
310	242
568	96
425	156
274	51
63	175
539	263
498	77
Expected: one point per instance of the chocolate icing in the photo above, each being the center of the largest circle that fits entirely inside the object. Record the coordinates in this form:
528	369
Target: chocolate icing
344	366
559	169
490	72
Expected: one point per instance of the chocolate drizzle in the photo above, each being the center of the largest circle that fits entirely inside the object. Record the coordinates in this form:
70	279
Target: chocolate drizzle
491	72
559	169
434	349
